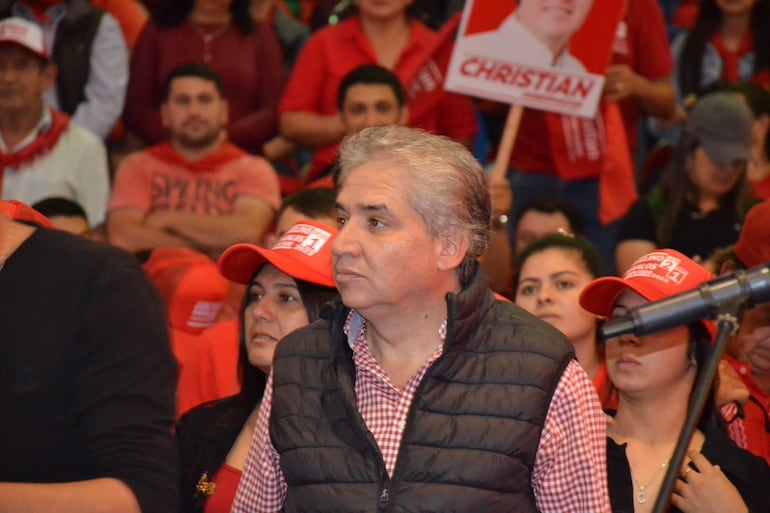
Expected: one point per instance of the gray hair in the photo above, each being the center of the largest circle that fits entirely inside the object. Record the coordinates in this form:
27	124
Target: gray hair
445	183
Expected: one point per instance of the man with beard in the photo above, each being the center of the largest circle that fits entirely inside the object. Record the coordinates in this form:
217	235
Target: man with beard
196	189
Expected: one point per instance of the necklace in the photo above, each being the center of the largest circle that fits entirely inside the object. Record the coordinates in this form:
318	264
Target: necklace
640	497
8	240
208	37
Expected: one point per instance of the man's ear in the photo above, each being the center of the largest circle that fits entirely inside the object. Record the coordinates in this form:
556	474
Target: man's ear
48	73
451	250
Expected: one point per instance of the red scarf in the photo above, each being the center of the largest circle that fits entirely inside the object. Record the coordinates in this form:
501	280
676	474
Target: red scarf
225	154
43	143
729	58
431	67
598	147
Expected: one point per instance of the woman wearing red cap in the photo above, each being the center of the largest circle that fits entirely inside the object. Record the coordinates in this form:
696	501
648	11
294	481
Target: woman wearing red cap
654	376
286	288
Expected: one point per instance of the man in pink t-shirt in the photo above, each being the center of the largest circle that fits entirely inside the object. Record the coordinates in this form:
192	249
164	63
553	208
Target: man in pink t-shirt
196	189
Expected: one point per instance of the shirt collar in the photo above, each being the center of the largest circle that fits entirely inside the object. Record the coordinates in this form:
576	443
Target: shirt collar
355	328
42	125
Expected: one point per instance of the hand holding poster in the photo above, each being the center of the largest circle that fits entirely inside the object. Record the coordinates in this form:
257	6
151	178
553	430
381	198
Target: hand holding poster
545	54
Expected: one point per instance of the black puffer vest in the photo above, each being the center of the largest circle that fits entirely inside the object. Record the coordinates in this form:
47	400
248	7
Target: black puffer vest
75	36
472	432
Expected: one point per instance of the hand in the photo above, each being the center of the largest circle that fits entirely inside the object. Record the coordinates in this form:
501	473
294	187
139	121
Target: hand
731	388
500	195
620	83
705	489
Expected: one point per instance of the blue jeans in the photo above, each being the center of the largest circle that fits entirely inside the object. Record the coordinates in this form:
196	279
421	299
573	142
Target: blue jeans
584	196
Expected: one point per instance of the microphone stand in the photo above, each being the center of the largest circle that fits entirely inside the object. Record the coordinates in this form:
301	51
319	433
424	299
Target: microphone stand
727	324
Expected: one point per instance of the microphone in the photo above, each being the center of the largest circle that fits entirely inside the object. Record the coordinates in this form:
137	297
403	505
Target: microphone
702	302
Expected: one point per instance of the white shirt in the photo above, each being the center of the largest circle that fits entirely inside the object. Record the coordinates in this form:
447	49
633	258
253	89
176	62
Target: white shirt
75	168
105	89
513	42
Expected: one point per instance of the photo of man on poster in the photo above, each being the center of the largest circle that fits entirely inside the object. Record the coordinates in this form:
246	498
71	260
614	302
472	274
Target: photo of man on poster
537	33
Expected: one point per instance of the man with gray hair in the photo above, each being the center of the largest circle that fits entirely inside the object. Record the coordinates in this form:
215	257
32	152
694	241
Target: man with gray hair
417	390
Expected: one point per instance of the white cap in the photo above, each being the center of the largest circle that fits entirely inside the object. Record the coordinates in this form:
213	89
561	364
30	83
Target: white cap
23	33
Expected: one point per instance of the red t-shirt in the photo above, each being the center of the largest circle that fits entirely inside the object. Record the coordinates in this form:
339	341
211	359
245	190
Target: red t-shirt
149	183
226	478
335	50
641	43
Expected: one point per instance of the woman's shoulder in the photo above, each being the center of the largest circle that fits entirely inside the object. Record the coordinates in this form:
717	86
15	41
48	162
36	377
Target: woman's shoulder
206	414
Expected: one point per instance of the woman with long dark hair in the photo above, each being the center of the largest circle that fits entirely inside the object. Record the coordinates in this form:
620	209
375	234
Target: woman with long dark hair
286	289
729	41
703	195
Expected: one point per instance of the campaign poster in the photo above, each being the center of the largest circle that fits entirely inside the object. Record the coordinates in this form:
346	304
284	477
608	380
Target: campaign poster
543	54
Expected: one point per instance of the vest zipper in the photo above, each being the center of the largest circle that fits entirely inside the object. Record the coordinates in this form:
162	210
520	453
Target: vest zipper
383	502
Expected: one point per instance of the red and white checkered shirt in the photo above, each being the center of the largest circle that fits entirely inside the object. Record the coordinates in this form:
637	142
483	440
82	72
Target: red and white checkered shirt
570	472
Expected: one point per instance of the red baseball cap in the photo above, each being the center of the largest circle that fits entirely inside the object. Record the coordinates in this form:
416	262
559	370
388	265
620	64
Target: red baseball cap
656	275
190	285
23	212
753	246
24	33
303	252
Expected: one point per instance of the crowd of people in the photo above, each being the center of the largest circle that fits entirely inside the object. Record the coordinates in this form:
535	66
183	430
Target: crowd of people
290	281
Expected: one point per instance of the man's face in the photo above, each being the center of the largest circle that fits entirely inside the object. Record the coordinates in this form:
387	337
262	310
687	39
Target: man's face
534	225
75	225
23	79
553	21
755	339
368	105
291	216
383	258
195	113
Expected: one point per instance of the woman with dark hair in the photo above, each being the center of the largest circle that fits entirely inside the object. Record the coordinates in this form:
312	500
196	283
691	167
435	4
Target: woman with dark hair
222	34
703	196
758	100
654	376
286	288
729	41
550	275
